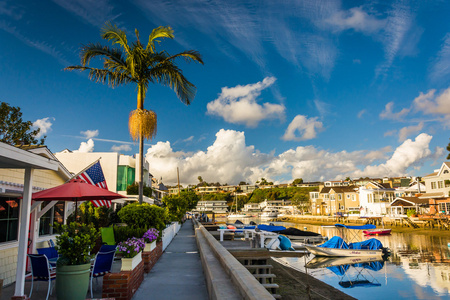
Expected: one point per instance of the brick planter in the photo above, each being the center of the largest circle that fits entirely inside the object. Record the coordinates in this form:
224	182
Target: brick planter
123	285
150	258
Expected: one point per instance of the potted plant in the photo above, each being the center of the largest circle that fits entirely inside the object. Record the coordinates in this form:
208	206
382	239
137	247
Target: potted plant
150	237
131	251
74	245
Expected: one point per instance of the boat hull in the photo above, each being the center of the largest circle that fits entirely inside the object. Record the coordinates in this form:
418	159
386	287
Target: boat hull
332	252
377	232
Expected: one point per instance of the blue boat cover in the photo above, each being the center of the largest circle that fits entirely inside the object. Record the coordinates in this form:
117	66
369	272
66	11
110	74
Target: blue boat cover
356	283
335	242
363	227
271	228
370	244
339	270
285	243
250	227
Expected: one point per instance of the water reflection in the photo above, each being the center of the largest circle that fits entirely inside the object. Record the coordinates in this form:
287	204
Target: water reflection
341	267
418	268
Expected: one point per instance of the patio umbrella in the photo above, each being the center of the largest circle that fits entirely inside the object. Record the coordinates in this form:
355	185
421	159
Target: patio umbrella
75	190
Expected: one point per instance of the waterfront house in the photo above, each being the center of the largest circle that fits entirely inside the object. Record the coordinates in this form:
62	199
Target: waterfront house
375	198
401	205
438	183
21	173
251	207
332	200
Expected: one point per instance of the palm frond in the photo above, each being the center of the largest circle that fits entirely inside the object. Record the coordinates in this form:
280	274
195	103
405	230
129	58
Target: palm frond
160	32
90	51
170	75
189	56
115	35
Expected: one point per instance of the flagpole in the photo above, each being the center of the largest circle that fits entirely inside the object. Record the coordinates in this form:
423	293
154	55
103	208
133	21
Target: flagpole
81	172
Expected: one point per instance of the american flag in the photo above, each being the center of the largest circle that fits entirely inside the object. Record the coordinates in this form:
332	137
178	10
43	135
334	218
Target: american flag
94	176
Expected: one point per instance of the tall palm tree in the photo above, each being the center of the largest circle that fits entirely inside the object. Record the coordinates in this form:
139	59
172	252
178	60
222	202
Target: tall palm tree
134	63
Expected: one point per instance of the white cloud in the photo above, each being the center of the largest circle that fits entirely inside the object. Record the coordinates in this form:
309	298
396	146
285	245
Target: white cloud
410	153
121	148
390	132
86	146
361	113
89	134
45	126
189	139
307	128
440	70
431	105
230	160
408	130
387	113
322	107
238	104
357	19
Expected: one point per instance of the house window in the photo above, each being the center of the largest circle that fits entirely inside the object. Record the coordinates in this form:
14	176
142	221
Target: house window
433	185
440	184
54	214
339	197
332	197
9	219
353	198
326	196
348	196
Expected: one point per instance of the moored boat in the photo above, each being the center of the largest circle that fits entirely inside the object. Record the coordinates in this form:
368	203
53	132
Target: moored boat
337	247
377	231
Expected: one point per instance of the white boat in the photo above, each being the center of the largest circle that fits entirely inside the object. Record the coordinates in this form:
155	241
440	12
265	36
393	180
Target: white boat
337	247
238	216
332	252
269	213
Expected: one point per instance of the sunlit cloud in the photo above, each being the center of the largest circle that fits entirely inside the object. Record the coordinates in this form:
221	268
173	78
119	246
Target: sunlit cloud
230	160
361	113
88	134
306	128
121	148
357	19
86	146
238	105
388	113
44	125
409	130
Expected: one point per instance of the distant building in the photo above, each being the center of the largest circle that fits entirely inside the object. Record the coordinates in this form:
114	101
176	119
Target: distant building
333	200
375	199
119	170
212	206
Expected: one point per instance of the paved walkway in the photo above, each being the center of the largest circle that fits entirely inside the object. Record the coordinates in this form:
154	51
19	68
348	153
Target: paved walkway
178	274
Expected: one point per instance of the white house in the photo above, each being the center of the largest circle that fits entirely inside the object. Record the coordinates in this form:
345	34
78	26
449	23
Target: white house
119	170
375	199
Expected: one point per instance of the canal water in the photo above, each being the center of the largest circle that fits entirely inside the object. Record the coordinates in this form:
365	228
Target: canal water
418	268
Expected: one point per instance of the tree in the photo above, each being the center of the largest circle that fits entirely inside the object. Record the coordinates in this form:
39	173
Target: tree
200	179
15	131
243	183
140	65
448	149
297	181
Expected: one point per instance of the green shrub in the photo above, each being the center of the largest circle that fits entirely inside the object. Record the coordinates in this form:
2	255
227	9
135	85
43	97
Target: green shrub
133	189
75	243
410	212
143	216
123	233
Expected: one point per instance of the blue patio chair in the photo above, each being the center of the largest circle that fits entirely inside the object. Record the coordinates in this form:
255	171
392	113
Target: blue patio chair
107	248
102	265
51	253
41	271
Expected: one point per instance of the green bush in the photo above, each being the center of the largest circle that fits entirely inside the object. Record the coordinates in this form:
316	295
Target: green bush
123	233
410	212
75	243
143	216
133	189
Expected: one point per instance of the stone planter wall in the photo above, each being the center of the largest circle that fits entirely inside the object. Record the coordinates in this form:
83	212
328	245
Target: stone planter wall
150	258
123	285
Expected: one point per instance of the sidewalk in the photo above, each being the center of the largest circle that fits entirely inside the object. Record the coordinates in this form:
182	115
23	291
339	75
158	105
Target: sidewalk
178	274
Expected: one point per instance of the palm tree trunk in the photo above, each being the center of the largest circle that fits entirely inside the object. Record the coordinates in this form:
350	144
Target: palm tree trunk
140	105
141	169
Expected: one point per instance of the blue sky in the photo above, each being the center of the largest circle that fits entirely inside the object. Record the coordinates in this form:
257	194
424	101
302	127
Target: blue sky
320	90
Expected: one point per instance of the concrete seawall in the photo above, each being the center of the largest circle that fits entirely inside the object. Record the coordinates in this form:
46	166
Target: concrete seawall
226	277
